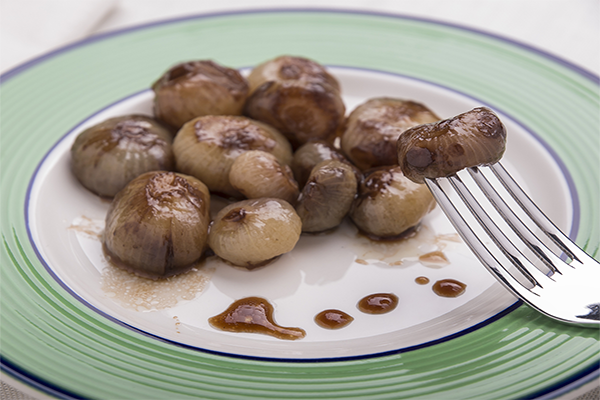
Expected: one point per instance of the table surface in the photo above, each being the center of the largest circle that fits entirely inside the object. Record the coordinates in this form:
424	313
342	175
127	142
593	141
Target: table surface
568	29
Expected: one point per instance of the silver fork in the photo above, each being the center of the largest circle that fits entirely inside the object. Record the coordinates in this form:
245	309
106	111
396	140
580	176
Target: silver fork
519	245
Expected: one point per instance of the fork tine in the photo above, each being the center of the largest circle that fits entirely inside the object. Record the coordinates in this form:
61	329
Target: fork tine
550	259
537	216
516	257
472	240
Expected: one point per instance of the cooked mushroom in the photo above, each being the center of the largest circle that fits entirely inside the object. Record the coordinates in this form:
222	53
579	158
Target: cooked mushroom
252	233
388	203
195	88
372	130
259	174
309	155
327	196
474	138
157	226
206	147
105	157
298	97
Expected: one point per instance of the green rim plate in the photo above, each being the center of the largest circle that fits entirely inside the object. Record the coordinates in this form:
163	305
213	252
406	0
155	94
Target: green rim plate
54	343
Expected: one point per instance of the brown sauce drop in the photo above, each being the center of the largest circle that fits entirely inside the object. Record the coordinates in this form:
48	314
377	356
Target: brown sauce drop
434	259
449	288
253	315
333	319
422	280
378	303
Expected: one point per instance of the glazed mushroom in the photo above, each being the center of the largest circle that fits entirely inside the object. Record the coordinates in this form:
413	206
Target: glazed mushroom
258	174
157	226
441	149
206	148
327	196
107	156
372	130
309	155
252	233
195	88
388	203
298	97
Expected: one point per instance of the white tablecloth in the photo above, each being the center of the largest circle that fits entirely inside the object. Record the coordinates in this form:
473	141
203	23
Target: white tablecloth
569	29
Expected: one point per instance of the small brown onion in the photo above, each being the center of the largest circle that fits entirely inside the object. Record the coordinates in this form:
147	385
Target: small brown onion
251	233
388	203
195	88
441	149
372	130
157	226
309	155
298	97
258	174
107	156
206	147
327	196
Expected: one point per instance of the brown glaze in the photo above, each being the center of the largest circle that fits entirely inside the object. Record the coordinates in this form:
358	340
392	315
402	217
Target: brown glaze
449	288
422	280
253	315
333	319
372	129
443	148
434	259
378	303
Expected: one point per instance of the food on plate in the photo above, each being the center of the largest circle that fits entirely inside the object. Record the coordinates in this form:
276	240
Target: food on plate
388	203
257	174
251	233
443	148
372	129
327	196
106	156
195	88
298	97
207	146
310	154
157	226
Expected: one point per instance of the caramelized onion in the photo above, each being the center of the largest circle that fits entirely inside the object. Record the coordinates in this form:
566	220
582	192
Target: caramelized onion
206	147
157	226
373	128
388	203
327	196
195	88
298	97
105	157
251	233
441	149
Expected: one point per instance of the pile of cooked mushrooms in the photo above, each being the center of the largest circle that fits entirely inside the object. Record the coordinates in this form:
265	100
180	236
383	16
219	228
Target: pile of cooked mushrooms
279	147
